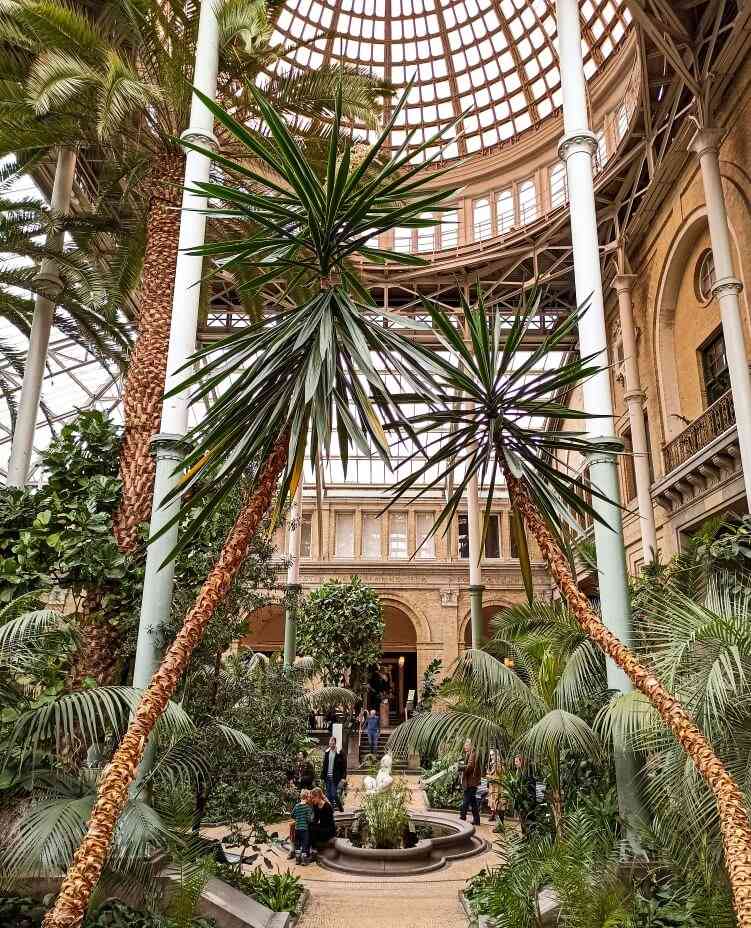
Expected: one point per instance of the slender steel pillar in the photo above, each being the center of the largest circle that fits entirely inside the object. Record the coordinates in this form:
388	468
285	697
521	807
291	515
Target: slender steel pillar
476	588
634	396
727	289
293	578
41	326
577	150
168	445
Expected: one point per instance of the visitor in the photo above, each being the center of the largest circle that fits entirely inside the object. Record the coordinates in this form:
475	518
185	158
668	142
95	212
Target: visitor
304	774
323	827
373	727
302	815
470	768
496	800
333	771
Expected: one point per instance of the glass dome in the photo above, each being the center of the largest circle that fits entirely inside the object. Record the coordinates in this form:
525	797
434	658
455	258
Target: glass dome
495	58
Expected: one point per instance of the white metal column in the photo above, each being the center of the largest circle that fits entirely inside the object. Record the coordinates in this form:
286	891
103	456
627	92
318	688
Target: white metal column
727	289
476	588
41	326
577	150
158	581
634	396
293	578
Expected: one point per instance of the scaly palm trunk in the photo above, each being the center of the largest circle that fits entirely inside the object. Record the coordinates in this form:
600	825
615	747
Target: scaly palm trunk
144	384
112	793
731	806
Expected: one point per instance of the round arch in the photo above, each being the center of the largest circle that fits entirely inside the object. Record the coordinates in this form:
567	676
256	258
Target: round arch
489	611
420	625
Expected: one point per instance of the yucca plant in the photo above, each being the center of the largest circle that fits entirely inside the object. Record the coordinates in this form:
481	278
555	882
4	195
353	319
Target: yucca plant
285	381
501	431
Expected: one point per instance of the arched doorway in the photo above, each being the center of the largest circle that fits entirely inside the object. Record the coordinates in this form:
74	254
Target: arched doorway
265	630
399	662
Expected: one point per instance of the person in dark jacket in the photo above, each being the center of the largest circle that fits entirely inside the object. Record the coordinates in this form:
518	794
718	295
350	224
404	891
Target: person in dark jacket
471	774
323	828
333	771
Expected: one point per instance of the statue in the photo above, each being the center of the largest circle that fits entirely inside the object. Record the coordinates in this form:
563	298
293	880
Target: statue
383	780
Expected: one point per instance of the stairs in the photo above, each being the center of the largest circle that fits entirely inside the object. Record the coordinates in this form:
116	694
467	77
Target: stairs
400	764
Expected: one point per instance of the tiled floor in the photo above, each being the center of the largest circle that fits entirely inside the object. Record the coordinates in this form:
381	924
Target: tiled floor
337	900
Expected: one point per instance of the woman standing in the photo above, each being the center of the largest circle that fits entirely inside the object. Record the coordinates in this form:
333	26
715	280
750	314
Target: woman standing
323	826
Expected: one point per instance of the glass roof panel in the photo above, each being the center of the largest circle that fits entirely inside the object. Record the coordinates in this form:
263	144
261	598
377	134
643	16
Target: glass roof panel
494	58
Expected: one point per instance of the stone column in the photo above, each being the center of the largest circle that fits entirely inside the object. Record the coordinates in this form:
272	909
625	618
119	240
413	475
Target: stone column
727	289
41	327
634	396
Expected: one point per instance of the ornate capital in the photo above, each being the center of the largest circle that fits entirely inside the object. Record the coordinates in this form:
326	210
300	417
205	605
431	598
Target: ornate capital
200	137
583	141
49	282
605	455
726	285
706	140
294	588
624	283
638	395
450	598
169	447
477	588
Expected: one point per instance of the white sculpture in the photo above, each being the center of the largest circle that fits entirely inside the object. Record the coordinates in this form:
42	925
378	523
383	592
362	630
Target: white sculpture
383	780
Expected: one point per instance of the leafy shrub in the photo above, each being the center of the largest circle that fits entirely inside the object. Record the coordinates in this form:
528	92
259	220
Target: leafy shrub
385	816
21	912
280	892
446	792
116	914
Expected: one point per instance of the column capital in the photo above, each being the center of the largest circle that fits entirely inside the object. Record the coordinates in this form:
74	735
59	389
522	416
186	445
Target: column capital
706	140
639	395
726	285
605	449
574	142
294	588
476	588
49	282
624	283
200	136
167	447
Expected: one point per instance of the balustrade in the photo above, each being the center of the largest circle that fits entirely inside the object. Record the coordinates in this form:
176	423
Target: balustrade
718	418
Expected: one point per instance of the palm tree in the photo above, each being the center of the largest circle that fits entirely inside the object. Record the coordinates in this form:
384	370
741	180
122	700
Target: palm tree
286	380
88	297
498	432
118	85
704	655
535	709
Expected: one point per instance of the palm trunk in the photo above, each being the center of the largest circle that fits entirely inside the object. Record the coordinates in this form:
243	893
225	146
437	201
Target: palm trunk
112	794
731	806
144	384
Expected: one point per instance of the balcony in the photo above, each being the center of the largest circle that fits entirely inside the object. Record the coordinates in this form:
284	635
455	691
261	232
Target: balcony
702	458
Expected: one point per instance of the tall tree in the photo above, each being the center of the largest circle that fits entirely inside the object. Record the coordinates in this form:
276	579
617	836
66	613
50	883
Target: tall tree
117	83
502	431
285	381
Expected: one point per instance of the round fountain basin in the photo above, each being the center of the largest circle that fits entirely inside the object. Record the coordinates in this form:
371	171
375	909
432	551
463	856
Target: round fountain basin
453	839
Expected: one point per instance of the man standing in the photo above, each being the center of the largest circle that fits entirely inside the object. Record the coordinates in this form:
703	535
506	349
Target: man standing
333	771
470	769
372	727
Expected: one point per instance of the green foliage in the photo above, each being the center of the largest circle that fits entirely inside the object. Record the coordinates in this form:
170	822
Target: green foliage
429	685
384	819
117	914
280	892
60	536
342	629
21	912
446	792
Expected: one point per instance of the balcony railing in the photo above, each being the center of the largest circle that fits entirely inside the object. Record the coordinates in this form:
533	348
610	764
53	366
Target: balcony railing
718	418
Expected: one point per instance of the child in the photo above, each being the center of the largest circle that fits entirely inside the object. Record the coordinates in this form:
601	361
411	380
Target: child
303	816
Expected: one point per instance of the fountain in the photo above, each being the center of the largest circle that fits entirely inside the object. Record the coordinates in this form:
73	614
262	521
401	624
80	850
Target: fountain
431	841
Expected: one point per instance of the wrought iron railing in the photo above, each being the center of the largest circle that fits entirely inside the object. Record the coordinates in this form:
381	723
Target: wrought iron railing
713	422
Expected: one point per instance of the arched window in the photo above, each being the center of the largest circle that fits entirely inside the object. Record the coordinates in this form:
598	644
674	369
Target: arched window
481	219
706	276
528	208
504	211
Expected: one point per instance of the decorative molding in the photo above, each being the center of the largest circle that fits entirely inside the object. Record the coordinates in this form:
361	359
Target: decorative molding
200	137
726	285
450	598
167	447
577	143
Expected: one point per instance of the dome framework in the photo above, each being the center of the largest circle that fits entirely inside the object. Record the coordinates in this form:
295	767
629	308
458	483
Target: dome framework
494	60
